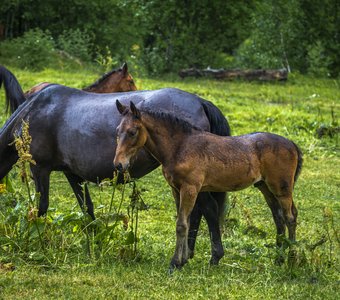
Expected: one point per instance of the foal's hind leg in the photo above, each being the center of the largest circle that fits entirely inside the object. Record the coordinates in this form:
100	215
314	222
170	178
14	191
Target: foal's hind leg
283	191
76	184
290	214
276	211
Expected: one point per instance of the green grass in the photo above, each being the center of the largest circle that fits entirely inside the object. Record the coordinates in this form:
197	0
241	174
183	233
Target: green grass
296	109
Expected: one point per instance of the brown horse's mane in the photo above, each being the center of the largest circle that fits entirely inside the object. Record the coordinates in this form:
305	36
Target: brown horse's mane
176	123
105	76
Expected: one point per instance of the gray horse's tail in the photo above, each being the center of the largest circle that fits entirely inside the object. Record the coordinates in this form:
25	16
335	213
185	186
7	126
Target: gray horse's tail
220	126
218	123
14	93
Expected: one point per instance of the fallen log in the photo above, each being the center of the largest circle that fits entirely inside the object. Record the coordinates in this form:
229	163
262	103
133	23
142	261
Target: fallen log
223	74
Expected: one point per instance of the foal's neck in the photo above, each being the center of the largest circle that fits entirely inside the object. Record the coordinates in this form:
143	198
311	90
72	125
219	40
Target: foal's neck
165	137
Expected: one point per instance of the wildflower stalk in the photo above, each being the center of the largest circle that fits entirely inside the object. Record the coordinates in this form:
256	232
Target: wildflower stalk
126	177
136	200
115	179
22	145
85	223
114	185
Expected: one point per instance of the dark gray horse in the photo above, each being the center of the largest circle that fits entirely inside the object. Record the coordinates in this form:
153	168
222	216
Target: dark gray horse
75	132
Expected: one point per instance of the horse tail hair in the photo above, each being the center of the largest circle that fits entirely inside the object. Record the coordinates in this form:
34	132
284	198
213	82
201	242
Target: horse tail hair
14	93
218	123
299	164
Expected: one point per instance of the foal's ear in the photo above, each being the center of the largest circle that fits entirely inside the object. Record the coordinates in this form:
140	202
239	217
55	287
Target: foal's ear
121	108
124	68
134	110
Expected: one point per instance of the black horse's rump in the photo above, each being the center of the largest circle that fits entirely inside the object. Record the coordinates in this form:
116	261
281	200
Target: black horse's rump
75	132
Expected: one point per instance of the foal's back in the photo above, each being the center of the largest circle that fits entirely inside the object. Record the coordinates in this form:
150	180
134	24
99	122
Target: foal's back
234	163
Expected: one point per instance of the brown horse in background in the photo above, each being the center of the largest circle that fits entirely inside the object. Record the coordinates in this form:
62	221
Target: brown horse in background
196	161
117	80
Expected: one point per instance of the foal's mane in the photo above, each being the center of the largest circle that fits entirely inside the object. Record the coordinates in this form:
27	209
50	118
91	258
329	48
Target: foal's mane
169	118
101	79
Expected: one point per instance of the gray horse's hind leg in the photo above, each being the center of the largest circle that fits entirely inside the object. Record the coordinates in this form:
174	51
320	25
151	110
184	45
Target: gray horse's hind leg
207	206
76	184
41	178
195	220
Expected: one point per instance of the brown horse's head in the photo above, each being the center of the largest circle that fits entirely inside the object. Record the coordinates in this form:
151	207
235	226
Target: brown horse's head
131	136
126	83
118	80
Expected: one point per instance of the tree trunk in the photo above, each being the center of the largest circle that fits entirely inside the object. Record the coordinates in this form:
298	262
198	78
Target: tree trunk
259	74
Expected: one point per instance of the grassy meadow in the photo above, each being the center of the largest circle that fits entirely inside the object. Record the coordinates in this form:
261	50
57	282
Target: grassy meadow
60	257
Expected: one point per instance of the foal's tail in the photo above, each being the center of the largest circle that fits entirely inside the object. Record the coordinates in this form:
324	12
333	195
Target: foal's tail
299	164
14	93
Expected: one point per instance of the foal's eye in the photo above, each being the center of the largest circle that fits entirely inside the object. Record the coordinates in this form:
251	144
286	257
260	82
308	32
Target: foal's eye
132	132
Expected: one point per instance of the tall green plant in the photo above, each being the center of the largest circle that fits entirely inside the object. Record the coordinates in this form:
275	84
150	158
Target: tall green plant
34	50
76	43
276	39
318	60
180	34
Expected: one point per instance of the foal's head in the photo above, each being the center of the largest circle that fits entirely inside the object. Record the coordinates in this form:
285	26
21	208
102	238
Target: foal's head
131	136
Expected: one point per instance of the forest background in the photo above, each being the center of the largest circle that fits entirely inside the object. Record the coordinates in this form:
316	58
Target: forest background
157	36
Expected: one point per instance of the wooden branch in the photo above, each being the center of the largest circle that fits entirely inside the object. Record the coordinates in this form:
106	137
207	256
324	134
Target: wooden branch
259	74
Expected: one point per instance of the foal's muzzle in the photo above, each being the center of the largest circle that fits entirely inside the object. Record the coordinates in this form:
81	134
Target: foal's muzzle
120	168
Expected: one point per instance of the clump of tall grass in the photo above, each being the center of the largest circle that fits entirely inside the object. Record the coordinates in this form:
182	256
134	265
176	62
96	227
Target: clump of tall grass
65	237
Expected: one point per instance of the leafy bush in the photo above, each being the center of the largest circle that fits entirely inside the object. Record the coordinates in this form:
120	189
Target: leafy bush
276	39
318	60
76	43
34	50
250	55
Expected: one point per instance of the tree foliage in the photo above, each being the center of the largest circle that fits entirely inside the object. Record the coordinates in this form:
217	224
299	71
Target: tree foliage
191	33
163	36
296	34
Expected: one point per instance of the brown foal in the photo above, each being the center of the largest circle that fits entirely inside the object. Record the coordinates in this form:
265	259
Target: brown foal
194	161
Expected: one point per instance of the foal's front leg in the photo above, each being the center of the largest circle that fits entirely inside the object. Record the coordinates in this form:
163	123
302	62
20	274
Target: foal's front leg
187	198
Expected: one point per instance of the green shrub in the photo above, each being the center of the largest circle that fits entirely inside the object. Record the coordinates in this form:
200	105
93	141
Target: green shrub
318	60
250	55
33	50
77	43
